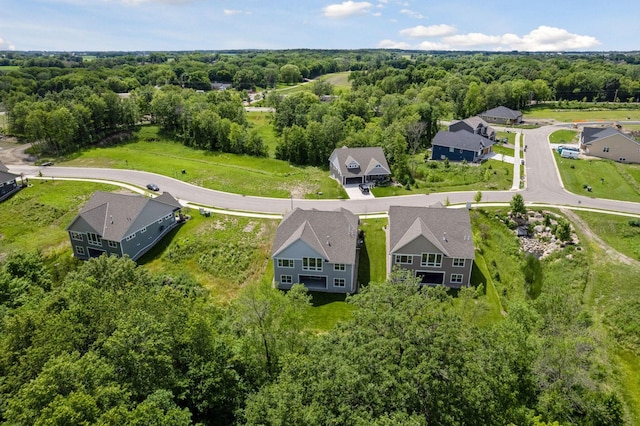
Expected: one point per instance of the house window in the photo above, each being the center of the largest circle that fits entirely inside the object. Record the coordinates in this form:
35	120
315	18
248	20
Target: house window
452	149
167	217
160	220
458	262
130	237
623	159
285	263
403	258
431	259
339	282
113	244
143	230
312	264
605	149
76	236
94	239
339	267
286	279
80	250
456	278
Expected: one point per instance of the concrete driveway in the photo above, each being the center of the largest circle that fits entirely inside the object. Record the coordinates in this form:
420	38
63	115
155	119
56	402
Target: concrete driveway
354	193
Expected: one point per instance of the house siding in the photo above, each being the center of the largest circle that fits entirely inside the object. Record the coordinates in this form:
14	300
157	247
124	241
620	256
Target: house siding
619	147
457	154
7	188
143	241
447	267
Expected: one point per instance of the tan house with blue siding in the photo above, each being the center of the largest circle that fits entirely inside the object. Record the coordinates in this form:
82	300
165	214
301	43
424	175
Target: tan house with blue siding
434	242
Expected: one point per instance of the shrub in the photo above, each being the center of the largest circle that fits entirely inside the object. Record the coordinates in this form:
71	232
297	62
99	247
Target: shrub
634	222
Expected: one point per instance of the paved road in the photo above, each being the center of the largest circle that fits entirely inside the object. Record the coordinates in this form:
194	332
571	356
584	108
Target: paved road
543	186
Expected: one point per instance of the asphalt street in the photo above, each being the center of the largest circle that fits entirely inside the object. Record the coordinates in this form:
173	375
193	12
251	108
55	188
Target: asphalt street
543	186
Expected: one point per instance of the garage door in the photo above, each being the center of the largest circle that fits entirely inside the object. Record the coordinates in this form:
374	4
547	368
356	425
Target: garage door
431	277
353	180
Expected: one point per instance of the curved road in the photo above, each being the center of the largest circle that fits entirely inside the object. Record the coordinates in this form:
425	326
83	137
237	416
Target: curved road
543	186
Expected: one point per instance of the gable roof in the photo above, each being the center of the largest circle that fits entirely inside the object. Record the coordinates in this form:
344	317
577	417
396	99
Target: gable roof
474	122
7	177
3	168
502	112
115	216
449	230
461	139
332	234
592	134
371	157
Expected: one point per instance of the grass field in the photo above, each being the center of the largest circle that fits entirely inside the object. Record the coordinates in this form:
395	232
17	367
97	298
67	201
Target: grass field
615	231
503	150
225	172
511	137
578	115
621	181
261	122
434	176
339	80
7	68
563	136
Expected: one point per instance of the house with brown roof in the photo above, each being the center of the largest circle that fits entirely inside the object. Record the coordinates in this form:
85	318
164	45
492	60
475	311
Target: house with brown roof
8	183
318	249
358	165
475	125
610	143
502	115
435	243
119	224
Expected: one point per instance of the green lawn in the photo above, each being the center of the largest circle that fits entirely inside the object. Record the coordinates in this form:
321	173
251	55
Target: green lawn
620	180
225	172
615	231
434	176
8	68
511	137
577	115
328	309
563	136
340	80
503	150
373	262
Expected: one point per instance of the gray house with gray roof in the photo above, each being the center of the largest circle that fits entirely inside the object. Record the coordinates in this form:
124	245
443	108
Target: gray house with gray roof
358	165
318	249
502	115
119	224
474	125
434	242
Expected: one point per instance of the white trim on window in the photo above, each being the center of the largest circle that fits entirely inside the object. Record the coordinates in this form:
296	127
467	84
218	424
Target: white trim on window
80	250
312	264
458	262
113	244
76	236
286	263
143	230
130	237
403	259
456	278
94	239
339	267
432	260
286	279
339	282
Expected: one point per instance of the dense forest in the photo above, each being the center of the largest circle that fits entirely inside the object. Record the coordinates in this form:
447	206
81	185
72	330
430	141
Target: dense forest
109	342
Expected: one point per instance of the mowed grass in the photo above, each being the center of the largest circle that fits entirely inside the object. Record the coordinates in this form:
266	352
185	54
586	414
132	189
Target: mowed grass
340	80
36	217
577	116
434	176
503	150
621	181
9	68
615	231
224	172
563	136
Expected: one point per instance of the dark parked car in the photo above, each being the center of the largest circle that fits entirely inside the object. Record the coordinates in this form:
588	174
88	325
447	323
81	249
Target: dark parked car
152	187
364	188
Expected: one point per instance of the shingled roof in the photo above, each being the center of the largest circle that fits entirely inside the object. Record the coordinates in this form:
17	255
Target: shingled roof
114	216
368	158
462	139
7	177
502	112
447	229
332	234
591	134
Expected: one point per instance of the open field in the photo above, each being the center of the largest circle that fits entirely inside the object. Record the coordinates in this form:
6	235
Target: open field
339	80
579	115
7	68
615	231
563	136
261	122
434	176
621	181
225	172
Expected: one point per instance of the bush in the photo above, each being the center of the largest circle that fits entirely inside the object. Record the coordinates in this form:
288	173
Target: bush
634	222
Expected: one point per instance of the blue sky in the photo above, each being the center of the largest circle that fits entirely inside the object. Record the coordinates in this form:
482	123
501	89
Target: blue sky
127	25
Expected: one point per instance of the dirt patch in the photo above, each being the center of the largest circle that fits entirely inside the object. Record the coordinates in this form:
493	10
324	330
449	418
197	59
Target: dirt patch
249	227
11	152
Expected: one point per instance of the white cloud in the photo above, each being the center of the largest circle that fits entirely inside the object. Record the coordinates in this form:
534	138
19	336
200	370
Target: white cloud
431	31
5	45
431	45
377	14
390	44
347	8
542	38
157	1
411	13
236	12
